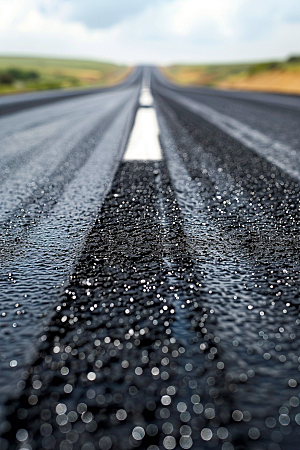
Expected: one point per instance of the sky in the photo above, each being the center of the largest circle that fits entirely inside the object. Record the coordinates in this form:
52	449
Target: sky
152	31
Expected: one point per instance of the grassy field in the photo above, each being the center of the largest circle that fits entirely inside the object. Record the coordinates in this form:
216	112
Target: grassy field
273	76
20	74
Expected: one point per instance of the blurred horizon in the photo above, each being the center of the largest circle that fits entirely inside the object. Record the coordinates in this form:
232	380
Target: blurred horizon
158	32
120	63
23	74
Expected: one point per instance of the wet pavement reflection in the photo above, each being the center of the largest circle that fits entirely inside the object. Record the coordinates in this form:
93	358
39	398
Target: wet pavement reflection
178	326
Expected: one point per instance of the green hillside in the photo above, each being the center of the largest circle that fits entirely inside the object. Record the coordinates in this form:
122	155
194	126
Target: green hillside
19	74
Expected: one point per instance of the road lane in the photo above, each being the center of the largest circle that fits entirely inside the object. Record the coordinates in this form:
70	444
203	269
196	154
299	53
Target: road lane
58	159
245	237
49	201
230	277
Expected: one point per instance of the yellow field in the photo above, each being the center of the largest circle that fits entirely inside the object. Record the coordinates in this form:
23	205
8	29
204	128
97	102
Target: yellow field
270	77
275	81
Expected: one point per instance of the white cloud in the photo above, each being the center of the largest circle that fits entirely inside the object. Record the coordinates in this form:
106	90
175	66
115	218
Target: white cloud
157	31
97	14
190	15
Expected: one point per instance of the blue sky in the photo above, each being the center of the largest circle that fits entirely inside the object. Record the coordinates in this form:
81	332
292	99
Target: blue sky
152	31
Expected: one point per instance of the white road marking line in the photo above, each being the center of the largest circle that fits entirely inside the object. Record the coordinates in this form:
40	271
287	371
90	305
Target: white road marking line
144	142
146	99
279	154
146	78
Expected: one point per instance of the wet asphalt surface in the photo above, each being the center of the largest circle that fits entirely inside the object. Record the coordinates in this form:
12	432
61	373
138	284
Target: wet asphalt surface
150	304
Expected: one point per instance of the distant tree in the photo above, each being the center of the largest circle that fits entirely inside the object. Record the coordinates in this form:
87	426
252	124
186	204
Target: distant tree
294	59
23	75
6	78
262	67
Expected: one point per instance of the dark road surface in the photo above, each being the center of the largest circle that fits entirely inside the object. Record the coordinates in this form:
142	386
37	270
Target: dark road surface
150	303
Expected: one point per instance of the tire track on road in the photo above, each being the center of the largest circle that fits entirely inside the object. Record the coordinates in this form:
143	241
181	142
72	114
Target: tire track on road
33	274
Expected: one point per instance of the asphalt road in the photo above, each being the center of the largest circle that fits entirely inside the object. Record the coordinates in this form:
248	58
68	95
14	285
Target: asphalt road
150	290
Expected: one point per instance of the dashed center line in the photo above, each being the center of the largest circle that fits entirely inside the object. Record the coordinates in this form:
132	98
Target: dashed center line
144	142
